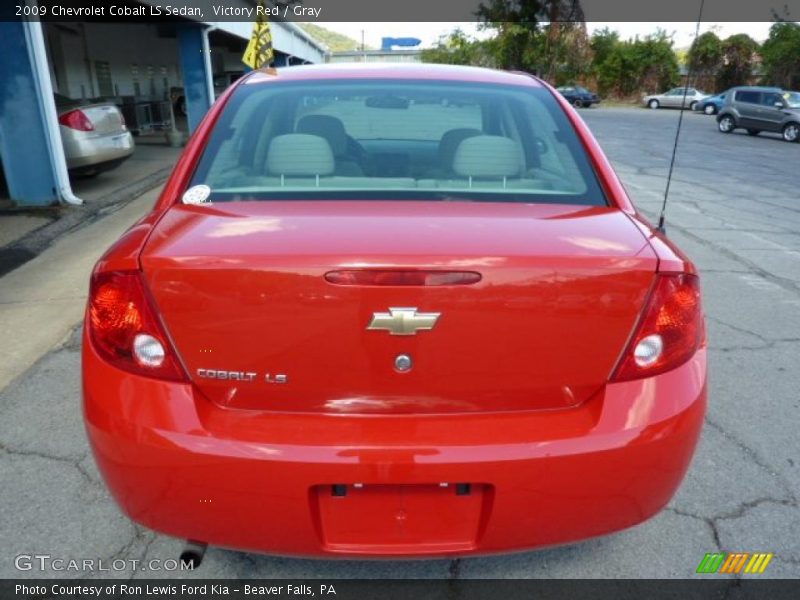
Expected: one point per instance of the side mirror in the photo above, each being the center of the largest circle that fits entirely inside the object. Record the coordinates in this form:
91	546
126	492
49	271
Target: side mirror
779	105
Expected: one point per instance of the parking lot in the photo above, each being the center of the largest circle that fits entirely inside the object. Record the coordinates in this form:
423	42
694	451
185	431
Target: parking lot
734	208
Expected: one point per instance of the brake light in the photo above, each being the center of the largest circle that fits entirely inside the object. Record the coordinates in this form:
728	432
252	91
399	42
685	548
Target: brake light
124	329
397	277
76	119
669	332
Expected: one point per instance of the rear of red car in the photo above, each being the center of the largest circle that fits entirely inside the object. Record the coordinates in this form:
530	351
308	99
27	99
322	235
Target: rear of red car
393	313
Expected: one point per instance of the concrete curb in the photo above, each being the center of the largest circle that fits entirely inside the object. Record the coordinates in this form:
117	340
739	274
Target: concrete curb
75	217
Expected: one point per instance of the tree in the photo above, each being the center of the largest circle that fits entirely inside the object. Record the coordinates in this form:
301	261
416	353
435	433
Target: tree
626	67
781	55
738	54
458	49
517	25
567	53
705	59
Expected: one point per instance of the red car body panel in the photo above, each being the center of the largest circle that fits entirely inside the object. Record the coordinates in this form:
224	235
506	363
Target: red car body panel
182	465
550	273
484	452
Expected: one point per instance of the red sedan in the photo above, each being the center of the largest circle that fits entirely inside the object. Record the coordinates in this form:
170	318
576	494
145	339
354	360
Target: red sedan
393	311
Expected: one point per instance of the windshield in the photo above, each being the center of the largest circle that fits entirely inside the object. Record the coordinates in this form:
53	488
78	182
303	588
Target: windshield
355	139
792	99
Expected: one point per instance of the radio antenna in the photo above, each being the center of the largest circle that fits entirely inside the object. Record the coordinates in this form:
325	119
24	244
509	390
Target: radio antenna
661	217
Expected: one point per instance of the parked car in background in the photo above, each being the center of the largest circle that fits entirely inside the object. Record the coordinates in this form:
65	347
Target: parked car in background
675	98
578	96
439	326
758	109
94	135
710	105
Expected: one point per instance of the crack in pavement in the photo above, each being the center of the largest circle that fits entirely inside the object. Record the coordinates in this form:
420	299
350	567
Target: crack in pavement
788	285
709	521
74	462
755	458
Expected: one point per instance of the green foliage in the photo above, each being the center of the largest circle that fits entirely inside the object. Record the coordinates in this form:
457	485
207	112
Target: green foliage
561	52
781	55
567	55
457	49
738	54
626	67
705	59
517	25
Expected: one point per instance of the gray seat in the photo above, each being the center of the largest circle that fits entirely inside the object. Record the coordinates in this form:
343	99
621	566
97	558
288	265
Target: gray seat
449	143
488	157
300	156
332	129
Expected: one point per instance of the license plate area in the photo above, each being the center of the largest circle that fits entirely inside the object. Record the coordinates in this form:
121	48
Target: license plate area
393	519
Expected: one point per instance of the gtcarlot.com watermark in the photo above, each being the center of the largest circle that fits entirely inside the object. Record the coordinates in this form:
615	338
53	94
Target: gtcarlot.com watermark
46	562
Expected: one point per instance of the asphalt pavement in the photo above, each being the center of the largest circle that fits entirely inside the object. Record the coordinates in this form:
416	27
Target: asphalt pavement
733	207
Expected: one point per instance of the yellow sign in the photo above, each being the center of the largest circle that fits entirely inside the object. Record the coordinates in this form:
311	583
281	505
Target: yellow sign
259	50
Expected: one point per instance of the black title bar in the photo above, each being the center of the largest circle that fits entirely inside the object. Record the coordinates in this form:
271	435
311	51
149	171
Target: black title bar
393	589
655	11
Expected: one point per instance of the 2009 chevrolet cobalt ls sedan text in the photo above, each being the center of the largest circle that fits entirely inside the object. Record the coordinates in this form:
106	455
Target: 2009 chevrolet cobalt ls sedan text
388	312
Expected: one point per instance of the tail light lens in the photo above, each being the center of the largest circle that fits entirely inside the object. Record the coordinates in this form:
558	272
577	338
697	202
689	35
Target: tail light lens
669	332
124	329
76	119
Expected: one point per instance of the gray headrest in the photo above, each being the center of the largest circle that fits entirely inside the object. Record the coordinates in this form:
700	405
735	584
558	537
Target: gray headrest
330	128
488	156
450	142
299	155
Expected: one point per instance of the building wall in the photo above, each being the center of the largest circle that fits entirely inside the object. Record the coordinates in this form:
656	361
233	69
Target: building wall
135	54
377	56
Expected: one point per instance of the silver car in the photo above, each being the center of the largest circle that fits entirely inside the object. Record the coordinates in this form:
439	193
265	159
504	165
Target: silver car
675	98
94	135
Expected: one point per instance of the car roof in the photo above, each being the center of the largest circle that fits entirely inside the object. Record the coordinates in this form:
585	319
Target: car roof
755	88
388	71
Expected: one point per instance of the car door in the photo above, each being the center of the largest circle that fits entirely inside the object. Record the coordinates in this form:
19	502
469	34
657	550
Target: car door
748	105
686	100
672	98
771	116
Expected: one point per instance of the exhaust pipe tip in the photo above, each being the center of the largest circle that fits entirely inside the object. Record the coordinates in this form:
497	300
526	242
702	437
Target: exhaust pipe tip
193	553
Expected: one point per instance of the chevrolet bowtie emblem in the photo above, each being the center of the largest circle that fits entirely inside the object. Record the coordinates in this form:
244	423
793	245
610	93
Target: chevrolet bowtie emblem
403	321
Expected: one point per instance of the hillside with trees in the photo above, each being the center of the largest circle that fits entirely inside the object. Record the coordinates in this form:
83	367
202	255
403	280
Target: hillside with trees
337	42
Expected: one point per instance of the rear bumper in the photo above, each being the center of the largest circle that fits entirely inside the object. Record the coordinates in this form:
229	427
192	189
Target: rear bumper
178	464
89	149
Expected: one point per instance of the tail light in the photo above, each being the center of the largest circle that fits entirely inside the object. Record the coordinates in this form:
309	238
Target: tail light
124	329
669	332
76	119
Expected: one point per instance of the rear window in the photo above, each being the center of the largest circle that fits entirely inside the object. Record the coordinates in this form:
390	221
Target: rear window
396	139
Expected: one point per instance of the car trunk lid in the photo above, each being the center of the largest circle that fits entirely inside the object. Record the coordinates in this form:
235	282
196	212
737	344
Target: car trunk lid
241	288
